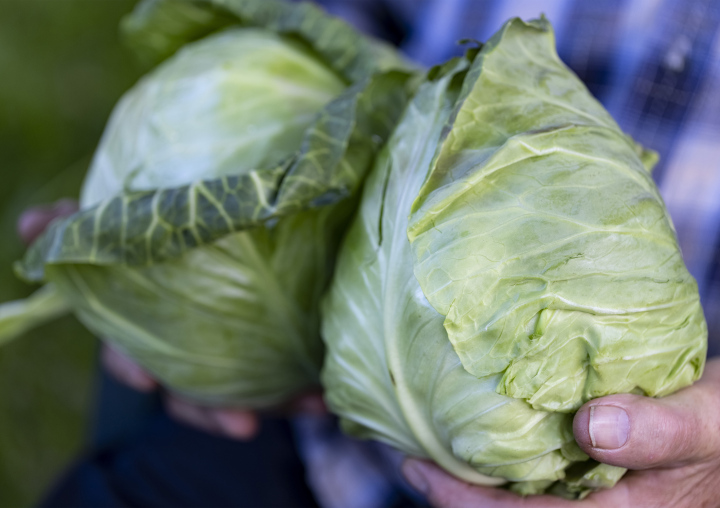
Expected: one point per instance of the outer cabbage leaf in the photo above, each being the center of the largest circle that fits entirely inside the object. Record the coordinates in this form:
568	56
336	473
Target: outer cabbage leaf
390	371
545	243
158	28
136	228
417	356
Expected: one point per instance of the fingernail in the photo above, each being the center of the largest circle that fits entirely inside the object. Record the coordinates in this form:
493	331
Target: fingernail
414	474
609	427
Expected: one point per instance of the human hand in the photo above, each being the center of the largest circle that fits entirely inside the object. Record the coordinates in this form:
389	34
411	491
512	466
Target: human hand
233	423
672	446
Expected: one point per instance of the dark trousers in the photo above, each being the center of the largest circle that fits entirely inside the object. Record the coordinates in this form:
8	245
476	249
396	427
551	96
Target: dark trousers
142	458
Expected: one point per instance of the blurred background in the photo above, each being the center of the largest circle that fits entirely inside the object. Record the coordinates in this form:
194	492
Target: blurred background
63	69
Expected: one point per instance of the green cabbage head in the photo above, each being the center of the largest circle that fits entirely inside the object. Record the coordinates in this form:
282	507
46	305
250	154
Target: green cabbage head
212	212
511	260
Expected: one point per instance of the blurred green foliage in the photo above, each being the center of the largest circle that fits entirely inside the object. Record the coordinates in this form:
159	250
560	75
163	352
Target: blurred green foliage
63	68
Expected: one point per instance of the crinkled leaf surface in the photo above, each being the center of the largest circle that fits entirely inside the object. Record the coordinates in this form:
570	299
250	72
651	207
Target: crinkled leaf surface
489	283
545	243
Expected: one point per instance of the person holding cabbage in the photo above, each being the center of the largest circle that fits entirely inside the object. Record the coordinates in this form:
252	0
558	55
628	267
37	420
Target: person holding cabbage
407	252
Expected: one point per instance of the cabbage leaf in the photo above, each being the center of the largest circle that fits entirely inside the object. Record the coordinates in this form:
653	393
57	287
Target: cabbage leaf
511	259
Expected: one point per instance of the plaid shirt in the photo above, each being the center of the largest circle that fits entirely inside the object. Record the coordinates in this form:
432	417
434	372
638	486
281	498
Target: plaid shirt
654	64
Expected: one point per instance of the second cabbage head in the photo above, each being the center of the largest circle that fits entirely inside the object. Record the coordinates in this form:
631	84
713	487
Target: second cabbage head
213	209
511	260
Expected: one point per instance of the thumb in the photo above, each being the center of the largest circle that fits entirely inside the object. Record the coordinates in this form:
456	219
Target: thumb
640	432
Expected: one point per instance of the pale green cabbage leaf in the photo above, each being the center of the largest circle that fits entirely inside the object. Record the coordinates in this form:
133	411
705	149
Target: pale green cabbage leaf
511	260
215	202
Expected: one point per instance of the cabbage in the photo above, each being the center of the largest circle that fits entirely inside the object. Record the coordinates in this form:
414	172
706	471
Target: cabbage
212	211
511	260
232	102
